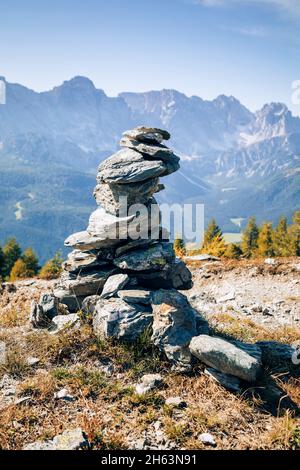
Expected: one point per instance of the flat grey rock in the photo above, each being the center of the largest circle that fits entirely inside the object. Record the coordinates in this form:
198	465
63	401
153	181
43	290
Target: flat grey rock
231	383
176	402
117	319
72	439
80	261
90	283
225	357
85	241
157	151
71	301
129	166
173	276
147	134
135	296
64	322
49	304
153	258
38	317
174	325
113	284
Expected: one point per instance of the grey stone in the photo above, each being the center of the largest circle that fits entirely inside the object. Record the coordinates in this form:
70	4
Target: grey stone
72	439
147	134
38	318
147	383
64	322
274	353
174	324
86	284
116	198
135	296
117	319
153	258
71	301
225	357
85	241
129	166
134	245
81	261
157	151
32	361
207	439
113	284
49	303
173	276
231	383
2	352
63	394
176	402
89	304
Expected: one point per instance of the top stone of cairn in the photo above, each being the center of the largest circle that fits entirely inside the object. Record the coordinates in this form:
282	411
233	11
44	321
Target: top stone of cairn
151	135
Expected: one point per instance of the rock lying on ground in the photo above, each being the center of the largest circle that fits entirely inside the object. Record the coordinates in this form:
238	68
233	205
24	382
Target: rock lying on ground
226	357
148	382
73	439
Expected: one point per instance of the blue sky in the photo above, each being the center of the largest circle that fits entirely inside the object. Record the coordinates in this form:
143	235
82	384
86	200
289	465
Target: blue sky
246	48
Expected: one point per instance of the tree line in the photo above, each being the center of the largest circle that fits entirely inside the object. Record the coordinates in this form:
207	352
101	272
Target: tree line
263	240
16	264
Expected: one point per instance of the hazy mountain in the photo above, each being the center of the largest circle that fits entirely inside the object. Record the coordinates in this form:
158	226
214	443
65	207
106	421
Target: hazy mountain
236	162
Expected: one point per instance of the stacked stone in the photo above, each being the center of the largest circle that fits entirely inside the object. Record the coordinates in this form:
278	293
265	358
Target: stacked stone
123	280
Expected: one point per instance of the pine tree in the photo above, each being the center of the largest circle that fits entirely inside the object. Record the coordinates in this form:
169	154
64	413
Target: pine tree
52	268
216	247
211	232
294	235
265	240
250	238
18	271
31	262
12	252
281	242
233	251
2	264
179	247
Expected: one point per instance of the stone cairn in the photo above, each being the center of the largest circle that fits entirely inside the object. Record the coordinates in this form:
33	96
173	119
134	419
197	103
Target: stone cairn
123	272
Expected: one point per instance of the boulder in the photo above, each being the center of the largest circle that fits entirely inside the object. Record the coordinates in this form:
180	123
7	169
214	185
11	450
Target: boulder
85	241
174	325
147	134
113	284
147	383
89	304
225	357
117	319
71	301
135	296
154	258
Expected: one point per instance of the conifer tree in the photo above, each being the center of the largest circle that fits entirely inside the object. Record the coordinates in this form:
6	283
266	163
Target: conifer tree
31	262
52	268
18	271
233	251
179	247
12	252
250	238
211	232
294	235
281	242
2	264
265	240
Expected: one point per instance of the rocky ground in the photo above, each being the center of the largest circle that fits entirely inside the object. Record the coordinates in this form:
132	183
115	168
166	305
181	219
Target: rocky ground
69	389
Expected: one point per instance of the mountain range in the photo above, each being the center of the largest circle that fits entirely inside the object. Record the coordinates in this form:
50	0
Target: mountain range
238	163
